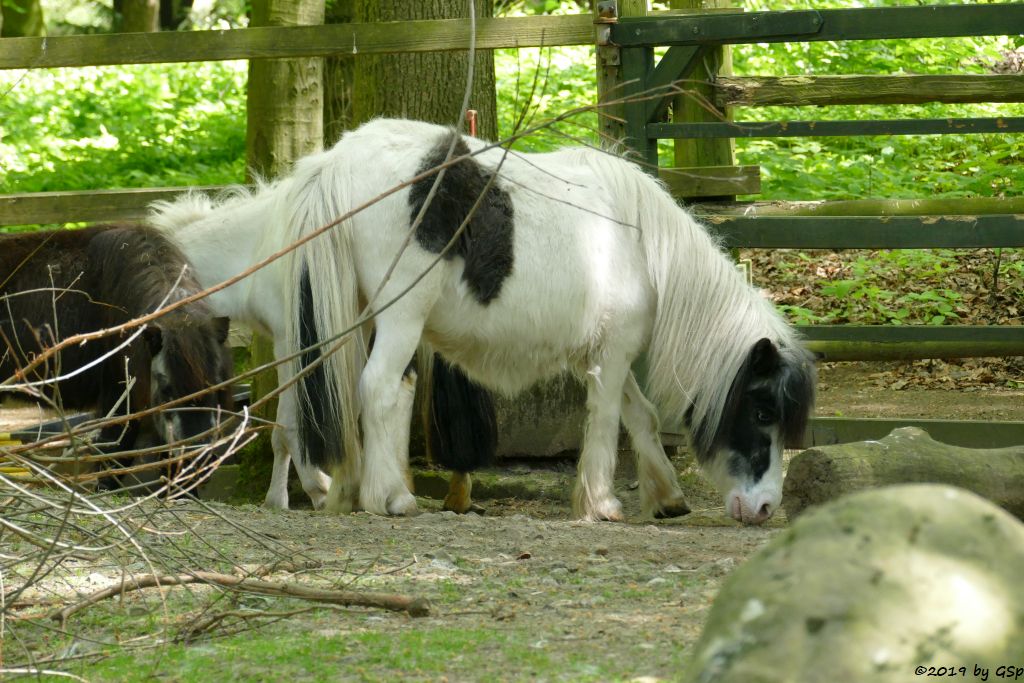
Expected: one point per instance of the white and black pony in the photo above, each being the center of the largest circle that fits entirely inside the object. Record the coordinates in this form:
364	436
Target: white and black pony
55	284
514	268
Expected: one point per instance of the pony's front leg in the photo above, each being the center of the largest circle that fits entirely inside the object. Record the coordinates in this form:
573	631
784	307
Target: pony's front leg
593	497
386	391
660	495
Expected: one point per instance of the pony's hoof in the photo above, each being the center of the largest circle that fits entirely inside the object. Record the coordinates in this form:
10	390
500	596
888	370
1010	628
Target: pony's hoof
608	510
403	505
318	498
343	506
462	507
276	502
676	507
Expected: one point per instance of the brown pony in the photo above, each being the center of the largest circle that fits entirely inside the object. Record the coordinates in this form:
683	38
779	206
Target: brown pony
55	284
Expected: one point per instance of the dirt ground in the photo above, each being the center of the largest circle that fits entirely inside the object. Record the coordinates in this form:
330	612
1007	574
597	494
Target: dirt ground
923	389
522	592
537	595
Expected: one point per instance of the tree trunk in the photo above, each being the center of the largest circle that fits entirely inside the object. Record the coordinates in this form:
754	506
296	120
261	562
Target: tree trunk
285	95
21	18
173	13
429	86
140	16
338	74
907	455
285	122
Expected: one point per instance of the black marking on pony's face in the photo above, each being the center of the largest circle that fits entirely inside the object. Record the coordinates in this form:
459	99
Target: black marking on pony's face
773	392
767	407
486	242
750	440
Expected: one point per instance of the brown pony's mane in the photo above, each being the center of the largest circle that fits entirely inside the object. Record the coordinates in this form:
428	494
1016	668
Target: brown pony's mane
59	283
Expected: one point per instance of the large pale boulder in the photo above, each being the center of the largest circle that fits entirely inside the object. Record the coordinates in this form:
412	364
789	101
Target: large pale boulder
883	585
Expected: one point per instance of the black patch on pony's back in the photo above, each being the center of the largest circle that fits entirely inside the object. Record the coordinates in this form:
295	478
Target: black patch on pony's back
462	430
319	430
775	383
486	242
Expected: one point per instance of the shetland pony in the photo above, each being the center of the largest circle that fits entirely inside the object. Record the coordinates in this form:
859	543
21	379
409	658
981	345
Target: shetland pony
513	267
55	284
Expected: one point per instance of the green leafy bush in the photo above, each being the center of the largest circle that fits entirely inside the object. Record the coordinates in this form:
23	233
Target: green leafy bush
129	126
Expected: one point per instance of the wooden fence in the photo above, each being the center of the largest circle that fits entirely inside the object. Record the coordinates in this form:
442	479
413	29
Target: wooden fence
627	44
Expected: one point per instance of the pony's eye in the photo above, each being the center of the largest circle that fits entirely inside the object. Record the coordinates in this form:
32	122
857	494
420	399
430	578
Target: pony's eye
765	417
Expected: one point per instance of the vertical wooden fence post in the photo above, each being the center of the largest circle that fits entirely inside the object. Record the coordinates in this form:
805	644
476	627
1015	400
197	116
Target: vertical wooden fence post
697	104
610	76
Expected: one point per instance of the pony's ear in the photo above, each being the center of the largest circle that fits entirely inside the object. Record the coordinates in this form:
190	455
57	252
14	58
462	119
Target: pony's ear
764	358
221	326
154	337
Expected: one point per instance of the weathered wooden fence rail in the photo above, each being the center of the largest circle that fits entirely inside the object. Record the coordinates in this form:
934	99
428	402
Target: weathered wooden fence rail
294	41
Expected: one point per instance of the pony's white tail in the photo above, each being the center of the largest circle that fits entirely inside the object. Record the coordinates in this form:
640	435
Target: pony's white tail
323	315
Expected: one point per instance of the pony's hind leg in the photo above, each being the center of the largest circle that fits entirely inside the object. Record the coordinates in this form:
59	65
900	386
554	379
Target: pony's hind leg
660	495
386	390
315	482
593	497
285	444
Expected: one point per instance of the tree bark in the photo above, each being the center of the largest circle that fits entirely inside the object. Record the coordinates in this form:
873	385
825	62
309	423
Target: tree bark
428	86
140	16
338	74
21	18
907	455
285	122
285	96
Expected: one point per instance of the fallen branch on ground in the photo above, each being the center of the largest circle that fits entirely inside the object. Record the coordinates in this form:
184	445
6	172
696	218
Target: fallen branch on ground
907	455
209	622
415	607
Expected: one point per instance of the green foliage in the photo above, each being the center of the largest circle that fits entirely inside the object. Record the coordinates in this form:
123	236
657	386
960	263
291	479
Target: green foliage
129	126
890	287
537	85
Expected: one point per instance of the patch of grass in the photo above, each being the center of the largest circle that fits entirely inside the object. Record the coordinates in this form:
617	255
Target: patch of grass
420	651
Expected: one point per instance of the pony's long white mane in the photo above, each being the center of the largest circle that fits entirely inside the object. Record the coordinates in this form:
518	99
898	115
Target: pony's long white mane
707	317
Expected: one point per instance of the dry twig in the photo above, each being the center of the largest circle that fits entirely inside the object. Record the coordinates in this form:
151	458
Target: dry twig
415	607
